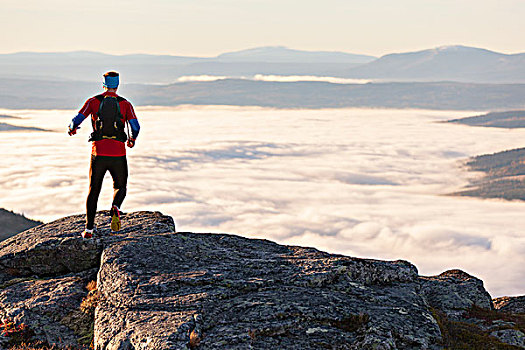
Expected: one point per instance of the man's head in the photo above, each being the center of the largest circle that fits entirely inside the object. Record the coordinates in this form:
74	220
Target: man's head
111	80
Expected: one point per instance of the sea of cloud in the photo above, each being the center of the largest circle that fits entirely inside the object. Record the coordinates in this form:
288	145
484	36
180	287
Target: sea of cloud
366	183
276	78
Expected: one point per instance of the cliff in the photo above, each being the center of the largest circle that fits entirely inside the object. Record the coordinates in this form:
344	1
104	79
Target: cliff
151	288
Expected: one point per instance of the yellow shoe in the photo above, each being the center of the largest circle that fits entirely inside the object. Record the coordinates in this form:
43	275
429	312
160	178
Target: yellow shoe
115	219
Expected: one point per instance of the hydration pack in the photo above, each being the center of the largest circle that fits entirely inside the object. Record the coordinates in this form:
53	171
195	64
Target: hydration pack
108	124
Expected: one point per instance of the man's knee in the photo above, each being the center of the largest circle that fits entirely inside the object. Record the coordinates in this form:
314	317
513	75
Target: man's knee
120	187
119	184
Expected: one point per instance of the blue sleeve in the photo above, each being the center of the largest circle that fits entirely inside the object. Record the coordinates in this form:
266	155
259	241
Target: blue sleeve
77	121
135	128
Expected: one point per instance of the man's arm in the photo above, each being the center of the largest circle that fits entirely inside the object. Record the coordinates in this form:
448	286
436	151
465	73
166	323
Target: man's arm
81	116
134	124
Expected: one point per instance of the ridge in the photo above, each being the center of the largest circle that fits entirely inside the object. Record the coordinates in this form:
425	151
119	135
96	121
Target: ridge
151	287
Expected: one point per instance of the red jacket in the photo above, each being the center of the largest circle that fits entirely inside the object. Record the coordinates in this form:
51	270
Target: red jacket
107	147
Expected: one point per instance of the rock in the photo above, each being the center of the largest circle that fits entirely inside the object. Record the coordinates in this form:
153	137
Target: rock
510	336
44	305
48	250
44	271
455	291
237	293
496	325
158	289
56	248
514	305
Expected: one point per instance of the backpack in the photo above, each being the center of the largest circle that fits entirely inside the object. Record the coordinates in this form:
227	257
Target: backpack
108	124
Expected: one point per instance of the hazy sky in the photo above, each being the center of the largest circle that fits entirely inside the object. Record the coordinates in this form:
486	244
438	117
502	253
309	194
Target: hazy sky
210	27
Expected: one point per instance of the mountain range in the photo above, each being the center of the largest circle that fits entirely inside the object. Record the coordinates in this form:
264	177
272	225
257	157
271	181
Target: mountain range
143	68
281	54
449	77
446	63
453	63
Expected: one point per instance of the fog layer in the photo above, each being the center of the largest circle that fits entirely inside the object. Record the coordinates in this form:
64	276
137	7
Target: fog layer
366	183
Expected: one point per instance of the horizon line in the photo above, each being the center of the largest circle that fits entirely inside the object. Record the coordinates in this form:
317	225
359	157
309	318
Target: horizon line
257	47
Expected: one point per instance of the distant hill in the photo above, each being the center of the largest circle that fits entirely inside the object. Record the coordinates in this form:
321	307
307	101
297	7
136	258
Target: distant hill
39	94
45	94
442	96
3	116
453	63
89	66
12	223
504	175
447	63
281	54
9	127
510	120
142	68
504	172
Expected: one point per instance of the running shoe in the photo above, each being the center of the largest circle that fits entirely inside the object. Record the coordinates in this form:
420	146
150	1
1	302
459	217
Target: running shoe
87	234
115	219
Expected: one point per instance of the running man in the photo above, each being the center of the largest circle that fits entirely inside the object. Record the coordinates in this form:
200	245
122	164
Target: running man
109	114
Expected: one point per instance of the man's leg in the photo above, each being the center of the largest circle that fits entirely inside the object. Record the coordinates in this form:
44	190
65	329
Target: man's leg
97	170
119	172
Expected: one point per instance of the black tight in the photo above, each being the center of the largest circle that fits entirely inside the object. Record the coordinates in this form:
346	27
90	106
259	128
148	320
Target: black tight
118	168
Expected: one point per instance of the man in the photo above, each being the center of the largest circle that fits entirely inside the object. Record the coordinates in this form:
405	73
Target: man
109	114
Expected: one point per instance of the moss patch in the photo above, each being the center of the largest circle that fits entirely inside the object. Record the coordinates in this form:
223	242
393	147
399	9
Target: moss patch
489	316
463	335
82	321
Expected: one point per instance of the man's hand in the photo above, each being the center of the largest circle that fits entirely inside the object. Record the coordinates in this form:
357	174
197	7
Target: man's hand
131	143
72	132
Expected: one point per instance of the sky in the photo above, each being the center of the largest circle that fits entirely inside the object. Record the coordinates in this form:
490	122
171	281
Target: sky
364	183
211	27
